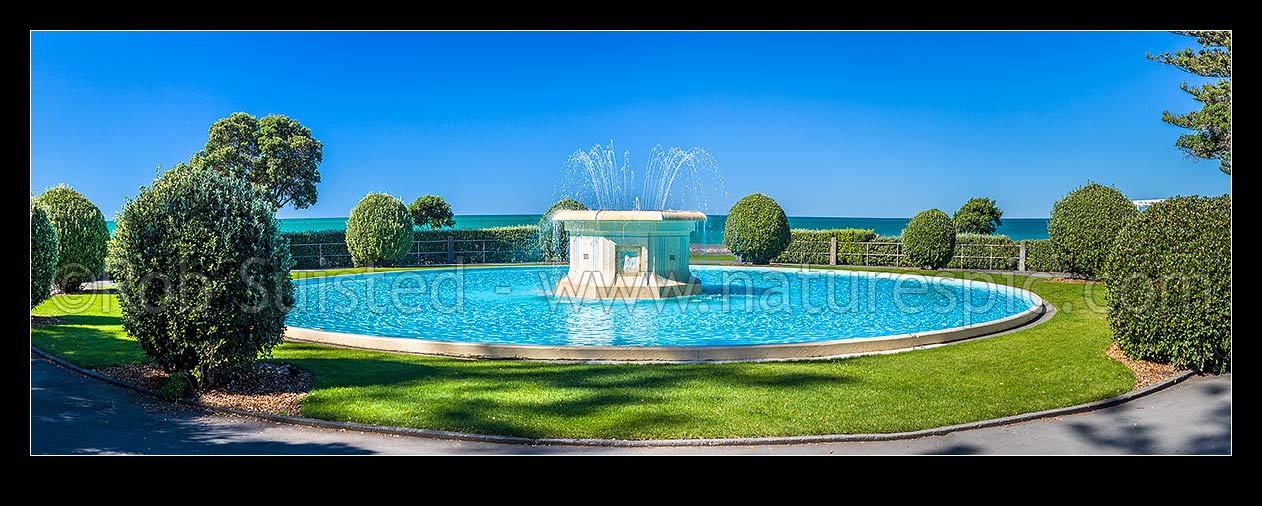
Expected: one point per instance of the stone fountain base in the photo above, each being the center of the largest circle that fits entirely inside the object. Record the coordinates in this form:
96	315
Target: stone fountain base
628	254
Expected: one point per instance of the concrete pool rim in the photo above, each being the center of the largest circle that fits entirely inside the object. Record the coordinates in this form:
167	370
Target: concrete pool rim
725	353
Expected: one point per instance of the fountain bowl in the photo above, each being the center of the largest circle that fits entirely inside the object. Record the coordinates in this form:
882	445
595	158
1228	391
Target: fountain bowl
628	254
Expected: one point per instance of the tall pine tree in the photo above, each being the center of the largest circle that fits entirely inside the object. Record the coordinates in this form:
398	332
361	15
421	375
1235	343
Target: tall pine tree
1212	124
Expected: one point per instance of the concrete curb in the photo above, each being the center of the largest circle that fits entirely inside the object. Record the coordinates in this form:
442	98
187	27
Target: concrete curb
631	443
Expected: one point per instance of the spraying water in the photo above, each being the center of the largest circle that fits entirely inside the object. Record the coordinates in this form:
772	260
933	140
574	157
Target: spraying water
675	179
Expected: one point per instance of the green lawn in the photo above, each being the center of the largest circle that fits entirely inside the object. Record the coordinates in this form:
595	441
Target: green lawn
1058	363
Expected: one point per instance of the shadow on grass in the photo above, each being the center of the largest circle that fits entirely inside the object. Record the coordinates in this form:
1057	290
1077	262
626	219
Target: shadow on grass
87	320
504	397
83	341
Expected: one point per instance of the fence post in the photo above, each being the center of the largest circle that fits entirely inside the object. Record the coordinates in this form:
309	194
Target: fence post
1021	255
832	250
320	254
451	249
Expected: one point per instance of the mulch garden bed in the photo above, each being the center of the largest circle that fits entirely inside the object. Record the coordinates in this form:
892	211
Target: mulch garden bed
1146	373
268	388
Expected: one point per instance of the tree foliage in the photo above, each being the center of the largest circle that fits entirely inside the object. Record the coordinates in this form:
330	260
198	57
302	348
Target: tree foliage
757	229
1212	124
1084	224
433	211
202	273
43	254
929	240
979	215
379	231
81	236
275	153
554	242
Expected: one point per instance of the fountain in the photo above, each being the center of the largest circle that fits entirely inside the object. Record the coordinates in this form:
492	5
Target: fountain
622	251
633	246
628	254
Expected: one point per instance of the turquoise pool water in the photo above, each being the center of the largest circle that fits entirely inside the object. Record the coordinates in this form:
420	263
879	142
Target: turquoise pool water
739	306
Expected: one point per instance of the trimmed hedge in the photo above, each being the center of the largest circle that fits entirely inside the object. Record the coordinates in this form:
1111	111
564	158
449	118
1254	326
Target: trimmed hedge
202	273
81	236
495	245
1084	225
811	246
756	229
378	231
1006	251
43	254
1169	280
929	240
331	252
502	245
885	255
1040	256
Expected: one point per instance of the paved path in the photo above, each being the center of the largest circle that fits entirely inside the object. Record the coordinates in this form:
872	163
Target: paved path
72	414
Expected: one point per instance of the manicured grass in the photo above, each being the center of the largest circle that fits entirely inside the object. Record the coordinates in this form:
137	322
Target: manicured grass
92	333
1058	363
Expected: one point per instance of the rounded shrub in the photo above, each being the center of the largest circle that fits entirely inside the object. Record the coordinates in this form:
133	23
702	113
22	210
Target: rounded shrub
81	236
379	231
202	273
1084	225
757	229
554	242
929	240
43	254
1169	284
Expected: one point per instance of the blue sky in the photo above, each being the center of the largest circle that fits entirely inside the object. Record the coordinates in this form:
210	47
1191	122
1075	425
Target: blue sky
828	123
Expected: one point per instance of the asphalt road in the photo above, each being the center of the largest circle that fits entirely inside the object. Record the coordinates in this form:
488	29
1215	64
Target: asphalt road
73	414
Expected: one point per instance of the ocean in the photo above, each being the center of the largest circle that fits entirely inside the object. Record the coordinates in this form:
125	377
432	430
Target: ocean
1016	228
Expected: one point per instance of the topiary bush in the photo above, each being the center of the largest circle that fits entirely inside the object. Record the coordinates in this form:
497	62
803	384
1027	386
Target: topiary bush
81	236
756	229
202	273
379	231
43	254
1169	284
554	242
929	240
1084	225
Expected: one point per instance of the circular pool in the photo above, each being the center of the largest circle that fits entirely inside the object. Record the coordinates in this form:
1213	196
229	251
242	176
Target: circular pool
741	314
